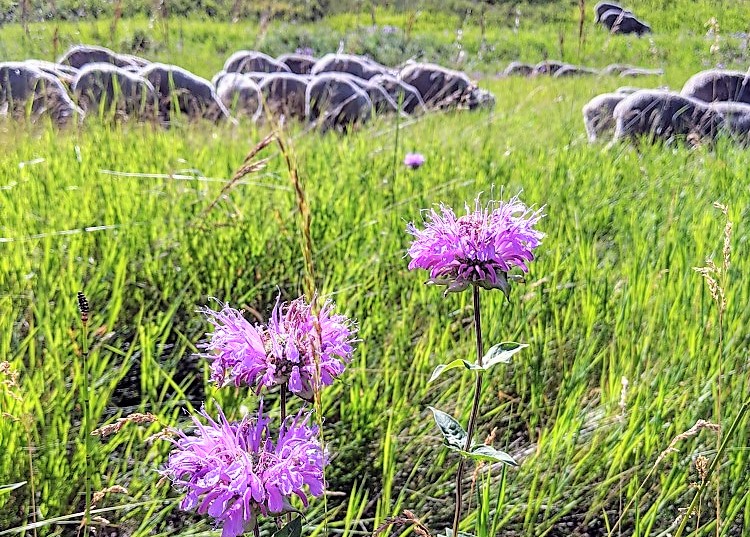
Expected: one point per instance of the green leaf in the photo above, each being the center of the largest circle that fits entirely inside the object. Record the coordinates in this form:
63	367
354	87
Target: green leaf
12	486
501	353
293	529
453	433
484	452
458	362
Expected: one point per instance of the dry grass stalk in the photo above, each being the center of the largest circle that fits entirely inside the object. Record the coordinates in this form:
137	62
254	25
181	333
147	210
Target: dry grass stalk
100	494
406	519
690	433
112	428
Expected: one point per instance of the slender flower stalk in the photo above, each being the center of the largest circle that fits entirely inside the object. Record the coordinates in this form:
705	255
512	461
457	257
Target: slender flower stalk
83	307
474	410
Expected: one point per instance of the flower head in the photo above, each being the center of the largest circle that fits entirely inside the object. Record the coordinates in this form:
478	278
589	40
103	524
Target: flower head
305	51
286	351
298	341
236	471
414	160
478	248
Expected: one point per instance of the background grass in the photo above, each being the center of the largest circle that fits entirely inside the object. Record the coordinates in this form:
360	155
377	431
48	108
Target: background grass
612	295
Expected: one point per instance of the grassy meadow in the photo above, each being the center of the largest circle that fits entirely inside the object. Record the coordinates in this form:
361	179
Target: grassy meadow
626	351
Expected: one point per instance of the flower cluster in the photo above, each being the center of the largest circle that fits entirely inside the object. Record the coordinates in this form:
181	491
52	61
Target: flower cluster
235	471
287	351
478	248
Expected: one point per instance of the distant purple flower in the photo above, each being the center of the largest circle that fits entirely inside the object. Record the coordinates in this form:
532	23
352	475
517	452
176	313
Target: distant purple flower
414	160
285	351
478	248
387	29
234	471
305	51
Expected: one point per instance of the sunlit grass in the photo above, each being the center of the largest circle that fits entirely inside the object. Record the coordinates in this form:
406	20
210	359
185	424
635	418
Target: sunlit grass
612	295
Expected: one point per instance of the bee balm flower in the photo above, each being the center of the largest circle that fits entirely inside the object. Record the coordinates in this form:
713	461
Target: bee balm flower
236	471
478	248
287	351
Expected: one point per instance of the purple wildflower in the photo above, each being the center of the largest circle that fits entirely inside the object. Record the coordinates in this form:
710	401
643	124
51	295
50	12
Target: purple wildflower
288	350
478	248
414	160
296	349
234	471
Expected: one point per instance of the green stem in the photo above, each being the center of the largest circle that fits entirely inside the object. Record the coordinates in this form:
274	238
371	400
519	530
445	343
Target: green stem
474	411
86	427
713	466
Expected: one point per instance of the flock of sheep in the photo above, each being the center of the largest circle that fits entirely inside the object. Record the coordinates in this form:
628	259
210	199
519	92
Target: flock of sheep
558	69
710	102
335	91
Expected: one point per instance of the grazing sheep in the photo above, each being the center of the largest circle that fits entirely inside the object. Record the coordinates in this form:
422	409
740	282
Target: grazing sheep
65	73
617	68
284	94
299	64
80	55
438	86
251	61
598	114
179	89
718	85
216	79
241	95
104	87
349	64
627	90
406	95
664	115
623	22
518	69
574	70
333	101
27	89
736	119
639	71
602	7
382	103
547	67
480	98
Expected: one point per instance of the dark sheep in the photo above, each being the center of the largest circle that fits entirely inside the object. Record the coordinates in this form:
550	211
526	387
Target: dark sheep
480	98
617	68
602	7
25	88
65	73
718	85
382	103
298	64
81	55
518	69
736	119
665	115
622	22
574	70
104	87
438	86
598	114
402	93
640	71
284	94
251	61
179	89
335	102
241	95
547	67
349	64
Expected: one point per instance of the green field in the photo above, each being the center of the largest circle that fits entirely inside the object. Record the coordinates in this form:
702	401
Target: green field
126	213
